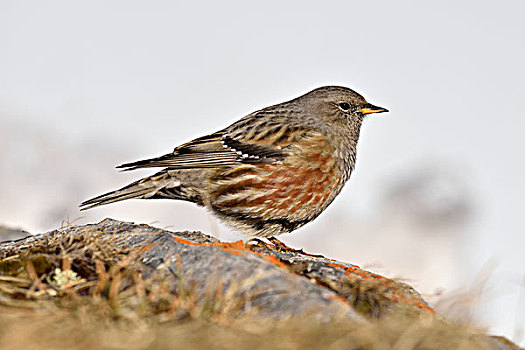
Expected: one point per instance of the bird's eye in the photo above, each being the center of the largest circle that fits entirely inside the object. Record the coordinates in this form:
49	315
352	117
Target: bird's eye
344	106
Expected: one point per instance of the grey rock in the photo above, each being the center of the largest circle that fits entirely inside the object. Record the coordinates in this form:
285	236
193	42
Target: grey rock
9	234
258	281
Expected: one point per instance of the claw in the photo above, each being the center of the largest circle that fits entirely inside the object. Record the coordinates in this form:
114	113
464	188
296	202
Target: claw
256	242
281	247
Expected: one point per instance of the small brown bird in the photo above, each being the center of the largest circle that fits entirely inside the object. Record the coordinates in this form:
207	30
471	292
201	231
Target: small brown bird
269	173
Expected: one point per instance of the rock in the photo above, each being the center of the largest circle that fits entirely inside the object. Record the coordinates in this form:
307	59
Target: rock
255	279
8	234
275	283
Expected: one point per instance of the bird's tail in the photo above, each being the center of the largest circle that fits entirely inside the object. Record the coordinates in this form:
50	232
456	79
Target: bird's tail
160	185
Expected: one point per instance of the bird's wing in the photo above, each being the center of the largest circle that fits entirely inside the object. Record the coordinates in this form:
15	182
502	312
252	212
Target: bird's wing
247	141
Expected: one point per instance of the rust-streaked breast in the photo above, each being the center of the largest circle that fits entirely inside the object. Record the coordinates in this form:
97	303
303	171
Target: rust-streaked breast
274	198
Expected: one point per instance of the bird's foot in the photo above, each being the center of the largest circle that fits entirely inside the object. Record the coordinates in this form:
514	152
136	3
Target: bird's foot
281	247
256	242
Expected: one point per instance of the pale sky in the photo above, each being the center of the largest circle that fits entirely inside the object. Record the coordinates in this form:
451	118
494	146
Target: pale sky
111	82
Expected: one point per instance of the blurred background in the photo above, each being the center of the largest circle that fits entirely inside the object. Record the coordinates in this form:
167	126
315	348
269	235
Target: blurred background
436	198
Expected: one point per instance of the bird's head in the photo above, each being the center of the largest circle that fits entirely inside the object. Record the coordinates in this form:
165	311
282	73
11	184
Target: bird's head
339	106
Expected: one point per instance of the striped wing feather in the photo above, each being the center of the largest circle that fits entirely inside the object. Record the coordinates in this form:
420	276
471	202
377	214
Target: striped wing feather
224	149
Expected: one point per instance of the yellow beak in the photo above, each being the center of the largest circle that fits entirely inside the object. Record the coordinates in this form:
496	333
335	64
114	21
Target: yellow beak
369	108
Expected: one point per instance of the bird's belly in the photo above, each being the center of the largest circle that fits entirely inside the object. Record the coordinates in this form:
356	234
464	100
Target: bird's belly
269	199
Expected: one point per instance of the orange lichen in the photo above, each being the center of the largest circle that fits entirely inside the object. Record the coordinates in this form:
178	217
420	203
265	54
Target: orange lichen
271	259
184	241
399	294
338	297
347	269
239	248
236	248
352	272
148	247
416	302
425	307
232	245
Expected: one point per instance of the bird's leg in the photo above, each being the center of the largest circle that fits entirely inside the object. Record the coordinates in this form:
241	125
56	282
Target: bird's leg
281	247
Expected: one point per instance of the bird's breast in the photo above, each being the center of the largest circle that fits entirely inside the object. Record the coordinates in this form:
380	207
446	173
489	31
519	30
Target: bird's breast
296	190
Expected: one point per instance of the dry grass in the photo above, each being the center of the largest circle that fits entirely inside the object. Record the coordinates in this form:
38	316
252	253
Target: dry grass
85	327
89	292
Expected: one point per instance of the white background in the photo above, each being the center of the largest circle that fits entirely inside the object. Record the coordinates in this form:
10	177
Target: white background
437	196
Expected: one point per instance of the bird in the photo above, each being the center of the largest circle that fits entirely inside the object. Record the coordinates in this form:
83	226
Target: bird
270	172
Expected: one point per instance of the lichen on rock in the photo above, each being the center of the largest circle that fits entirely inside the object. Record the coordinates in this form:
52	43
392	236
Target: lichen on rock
126	272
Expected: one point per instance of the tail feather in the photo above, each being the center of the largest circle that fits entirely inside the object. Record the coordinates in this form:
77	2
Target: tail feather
149	187
114	196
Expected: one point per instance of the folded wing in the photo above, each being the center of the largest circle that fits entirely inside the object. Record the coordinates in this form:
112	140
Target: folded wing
219	149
